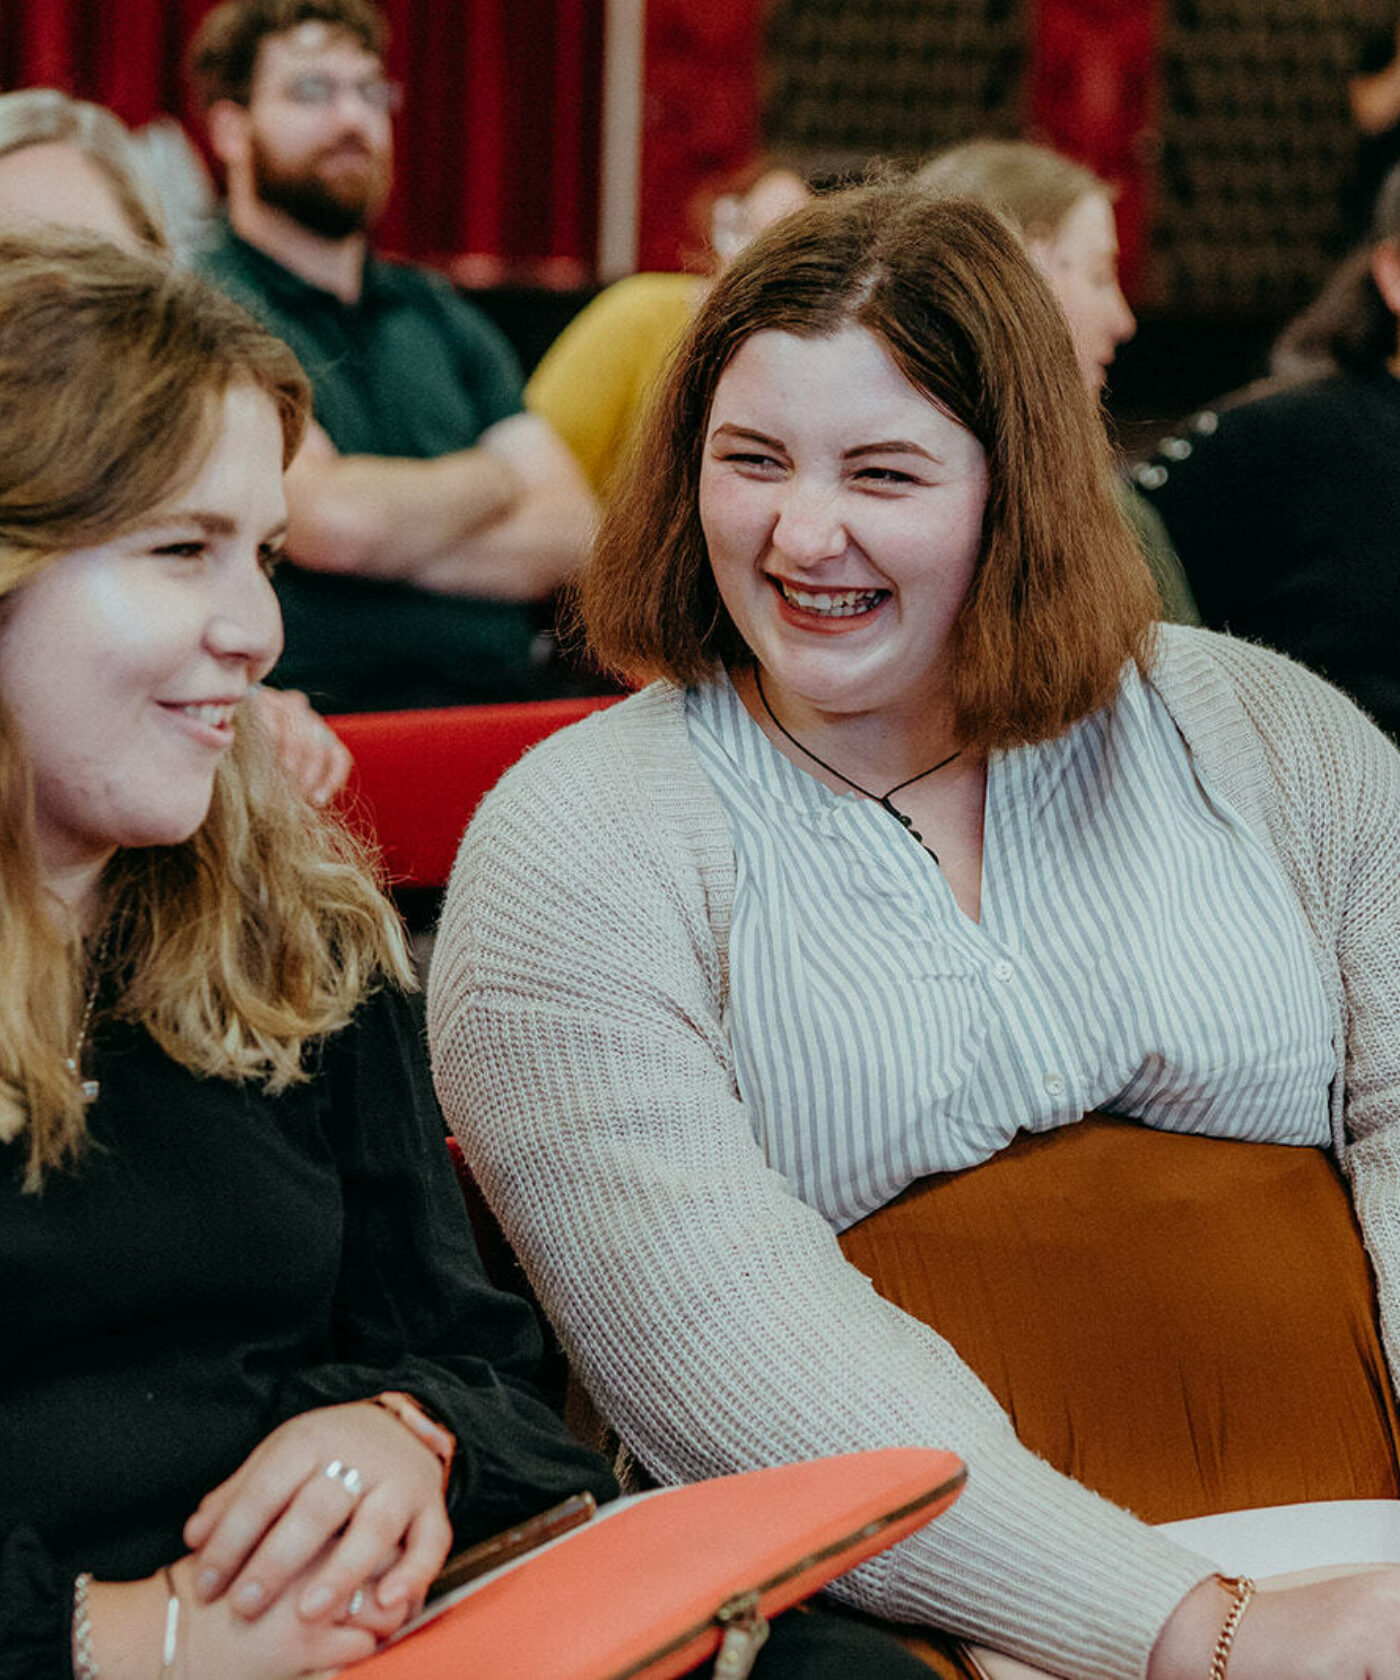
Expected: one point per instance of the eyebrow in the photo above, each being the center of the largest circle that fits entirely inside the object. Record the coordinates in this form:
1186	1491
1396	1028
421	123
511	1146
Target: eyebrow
890	446
211	524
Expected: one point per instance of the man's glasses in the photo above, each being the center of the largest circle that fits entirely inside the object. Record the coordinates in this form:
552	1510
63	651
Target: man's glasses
317	92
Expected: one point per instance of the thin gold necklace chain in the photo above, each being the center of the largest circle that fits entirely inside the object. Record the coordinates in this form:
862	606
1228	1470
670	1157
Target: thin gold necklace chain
75	1062
884	799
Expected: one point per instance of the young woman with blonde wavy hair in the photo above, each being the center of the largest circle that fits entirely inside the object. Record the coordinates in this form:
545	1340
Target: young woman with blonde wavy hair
255	1383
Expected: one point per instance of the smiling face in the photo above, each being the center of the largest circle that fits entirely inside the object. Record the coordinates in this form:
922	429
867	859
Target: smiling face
319	134
1081	263
122	664
842	512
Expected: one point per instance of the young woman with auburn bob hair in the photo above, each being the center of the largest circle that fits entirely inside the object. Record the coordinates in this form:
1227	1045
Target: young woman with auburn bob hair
934	920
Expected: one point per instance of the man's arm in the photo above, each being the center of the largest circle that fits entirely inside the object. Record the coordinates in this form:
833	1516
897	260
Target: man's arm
509	518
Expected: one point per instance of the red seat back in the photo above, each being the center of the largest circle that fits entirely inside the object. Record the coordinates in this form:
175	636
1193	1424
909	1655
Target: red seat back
420	775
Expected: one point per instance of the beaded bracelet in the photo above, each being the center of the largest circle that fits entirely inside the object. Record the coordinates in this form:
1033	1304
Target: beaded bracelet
84	1662
1242	1590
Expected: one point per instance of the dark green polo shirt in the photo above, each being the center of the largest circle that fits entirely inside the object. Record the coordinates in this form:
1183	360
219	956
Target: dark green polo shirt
410	369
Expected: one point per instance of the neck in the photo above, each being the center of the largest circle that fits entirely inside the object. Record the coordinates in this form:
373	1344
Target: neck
335	265
875	750
75	889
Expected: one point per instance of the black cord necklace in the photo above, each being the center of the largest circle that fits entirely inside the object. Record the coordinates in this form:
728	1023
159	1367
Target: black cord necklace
885	799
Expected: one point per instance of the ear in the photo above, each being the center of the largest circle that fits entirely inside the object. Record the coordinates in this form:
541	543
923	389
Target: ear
228	126
1040	248
1385	271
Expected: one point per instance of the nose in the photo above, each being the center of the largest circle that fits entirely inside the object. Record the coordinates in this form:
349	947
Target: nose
245	626
1124	321
809	527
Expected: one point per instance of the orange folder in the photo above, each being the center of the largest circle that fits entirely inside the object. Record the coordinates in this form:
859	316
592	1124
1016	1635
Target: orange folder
657	1587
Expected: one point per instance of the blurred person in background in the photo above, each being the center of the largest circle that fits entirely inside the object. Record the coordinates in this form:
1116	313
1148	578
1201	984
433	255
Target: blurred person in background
432	518
1065	215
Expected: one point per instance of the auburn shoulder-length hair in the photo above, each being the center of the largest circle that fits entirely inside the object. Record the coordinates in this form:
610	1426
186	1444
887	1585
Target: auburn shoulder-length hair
241	947
1061	597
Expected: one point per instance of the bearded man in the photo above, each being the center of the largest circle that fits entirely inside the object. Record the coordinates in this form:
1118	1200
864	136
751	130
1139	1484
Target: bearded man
429	514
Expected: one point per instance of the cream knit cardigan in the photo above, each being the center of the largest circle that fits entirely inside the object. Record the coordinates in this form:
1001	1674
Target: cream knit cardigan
577	1017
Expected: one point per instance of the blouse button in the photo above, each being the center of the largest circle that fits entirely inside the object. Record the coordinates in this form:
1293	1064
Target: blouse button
1054	1083
1002	969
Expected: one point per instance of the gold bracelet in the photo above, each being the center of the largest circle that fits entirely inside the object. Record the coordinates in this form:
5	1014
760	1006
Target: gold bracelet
1241	1589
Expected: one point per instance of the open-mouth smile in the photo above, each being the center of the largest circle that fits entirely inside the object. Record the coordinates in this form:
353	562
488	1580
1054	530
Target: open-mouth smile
830	603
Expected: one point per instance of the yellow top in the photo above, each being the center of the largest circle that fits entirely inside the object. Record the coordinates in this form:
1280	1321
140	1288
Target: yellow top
596	378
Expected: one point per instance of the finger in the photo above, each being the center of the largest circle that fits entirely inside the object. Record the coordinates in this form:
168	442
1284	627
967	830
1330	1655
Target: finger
337	768
428	1543
362	1611
357	1558
212	1507
269	1490
338	1646
320	1509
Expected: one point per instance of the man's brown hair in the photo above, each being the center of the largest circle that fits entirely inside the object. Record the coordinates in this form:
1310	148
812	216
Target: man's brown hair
1061	598
223	55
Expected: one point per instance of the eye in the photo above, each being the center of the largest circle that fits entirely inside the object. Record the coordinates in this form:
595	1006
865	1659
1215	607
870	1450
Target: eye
889	476
755	460
270	556
188	548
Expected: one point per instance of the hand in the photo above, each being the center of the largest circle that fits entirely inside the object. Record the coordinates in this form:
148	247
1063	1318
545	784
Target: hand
128	1619
280	1518
310	750
1343	1628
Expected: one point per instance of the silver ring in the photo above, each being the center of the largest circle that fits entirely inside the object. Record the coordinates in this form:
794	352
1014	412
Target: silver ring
356	1604
348	1477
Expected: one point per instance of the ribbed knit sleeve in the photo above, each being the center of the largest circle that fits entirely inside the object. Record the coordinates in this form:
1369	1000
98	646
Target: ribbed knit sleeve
576	1011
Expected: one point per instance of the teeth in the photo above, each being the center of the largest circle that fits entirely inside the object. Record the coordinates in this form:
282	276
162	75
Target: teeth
217	717
843	603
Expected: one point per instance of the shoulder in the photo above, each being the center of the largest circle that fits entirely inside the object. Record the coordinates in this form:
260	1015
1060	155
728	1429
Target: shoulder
665	298
634	758
1260	717
432	292
1252	428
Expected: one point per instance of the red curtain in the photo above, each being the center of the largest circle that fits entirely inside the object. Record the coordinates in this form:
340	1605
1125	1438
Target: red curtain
701	113
498	141
1093	95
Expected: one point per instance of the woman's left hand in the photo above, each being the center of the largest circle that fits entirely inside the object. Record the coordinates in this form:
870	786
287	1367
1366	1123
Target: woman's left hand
350	1480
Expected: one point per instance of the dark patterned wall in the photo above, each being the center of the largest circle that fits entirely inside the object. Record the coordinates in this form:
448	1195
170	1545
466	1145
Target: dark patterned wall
1257	147
847	79
1253	140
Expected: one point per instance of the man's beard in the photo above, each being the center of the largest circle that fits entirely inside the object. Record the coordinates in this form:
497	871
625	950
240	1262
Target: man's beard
332	210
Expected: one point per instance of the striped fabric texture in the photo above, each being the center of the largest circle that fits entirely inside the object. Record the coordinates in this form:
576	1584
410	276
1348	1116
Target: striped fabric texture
1138	952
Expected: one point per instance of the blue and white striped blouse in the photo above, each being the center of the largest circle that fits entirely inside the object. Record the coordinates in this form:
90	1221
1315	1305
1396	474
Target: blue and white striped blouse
1138	952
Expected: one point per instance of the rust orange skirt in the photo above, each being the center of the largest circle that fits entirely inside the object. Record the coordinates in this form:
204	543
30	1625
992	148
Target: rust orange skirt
1184	1324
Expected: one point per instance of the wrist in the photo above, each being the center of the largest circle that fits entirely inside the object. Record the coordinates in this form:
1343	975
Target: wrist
422	1425
124	1623
1199	1636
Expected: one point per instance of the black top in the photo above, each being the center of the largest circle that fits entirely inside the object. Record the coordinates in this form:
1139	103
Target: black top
1285	512
220	1262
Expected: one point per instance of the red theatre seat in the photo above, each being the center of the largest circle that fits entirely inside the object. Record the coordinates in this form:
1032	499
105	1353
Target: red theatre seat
419	776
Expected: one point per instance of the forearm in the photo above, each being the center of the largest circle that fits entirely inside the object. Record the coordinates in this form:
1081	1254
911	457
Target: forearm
382	517
525	556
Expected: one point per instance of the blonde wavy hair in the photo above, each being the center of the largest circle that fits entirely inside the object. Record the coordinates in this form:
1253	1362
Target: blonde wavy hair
242	947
